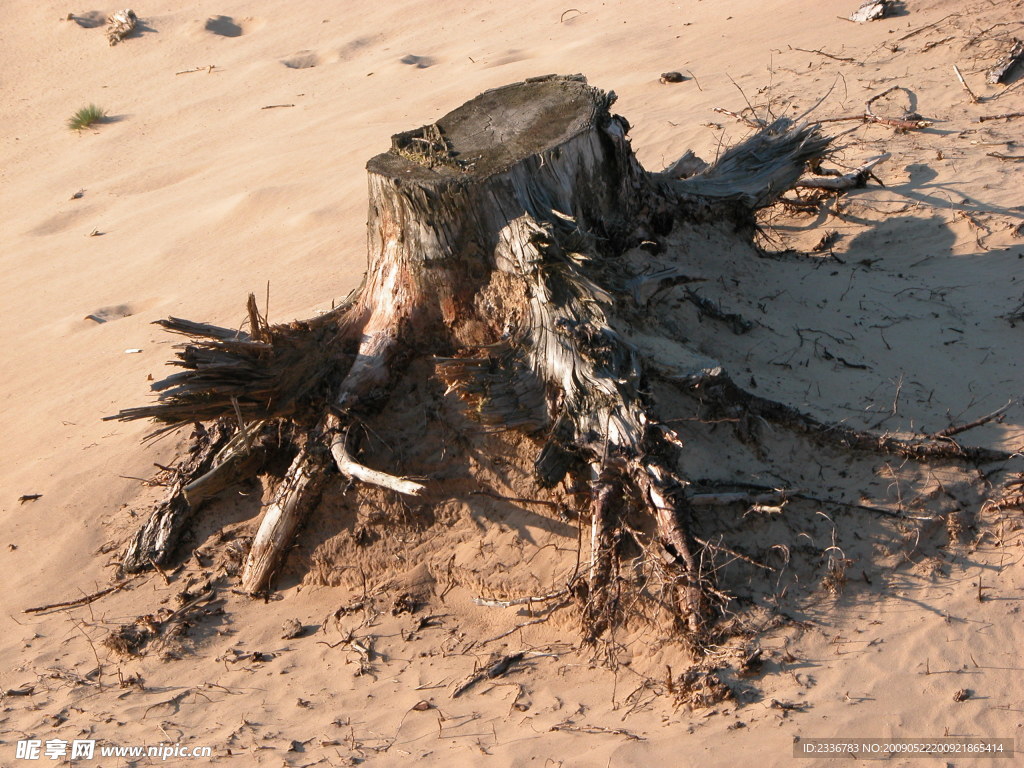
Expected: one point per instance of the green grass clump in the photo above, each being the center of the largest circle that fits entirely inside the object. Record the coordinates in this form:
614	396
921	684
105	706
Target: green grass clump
86	117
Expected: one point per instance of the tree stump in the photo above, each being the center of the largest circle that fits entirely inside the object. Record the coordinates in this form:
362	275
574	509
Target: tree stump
495	245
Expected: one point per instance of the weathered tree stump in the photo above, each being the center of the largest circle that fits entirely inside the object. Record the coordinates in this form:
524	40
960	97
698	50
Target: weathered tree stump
495	244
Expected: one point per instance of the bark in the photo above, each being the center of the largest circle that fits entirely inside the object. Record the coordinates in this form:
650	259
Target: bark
156	539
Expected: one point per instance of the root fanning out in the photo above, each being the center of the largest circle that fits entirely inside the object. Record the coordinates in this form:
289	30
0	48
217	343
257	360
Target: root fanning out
496	247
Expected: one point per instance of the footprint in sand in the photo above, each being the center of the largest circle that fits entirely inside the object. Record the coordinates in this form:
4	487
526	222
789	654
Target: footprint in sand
302	60
420	62
226	26
354	47
106	314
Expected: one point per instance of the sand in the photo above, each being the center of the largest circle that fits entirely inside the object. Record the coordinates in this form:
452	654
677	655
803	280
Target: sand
233	162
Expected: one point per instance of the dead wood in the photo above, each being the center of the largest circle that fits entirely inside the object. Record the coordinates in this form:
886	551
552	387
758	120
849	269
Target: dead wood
1000	73
871	10
120	24
908	123
292	501
496	238
858	177
80	601
156	540
1009	158
1005	116
960	77
723	397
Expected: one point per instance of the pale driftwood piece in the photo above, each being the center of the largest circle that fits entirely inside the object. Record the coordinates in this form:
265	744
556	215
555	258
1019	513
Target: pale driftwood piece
872	10
531	600
858	177
1000	73
352	468
960	77
120	24
297	493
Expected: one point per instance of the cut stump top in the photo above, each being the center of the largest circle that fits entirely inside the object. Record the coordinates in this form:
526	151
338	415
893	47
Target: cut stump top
492	132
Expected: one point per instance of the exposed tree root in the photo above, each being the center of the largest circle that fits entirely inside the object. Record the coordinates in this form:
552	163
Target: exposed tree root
496	238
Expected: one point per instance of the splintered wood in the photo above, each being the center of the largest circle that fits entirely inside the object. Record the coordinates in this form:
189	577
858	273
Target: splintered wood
872	10
120	24
1000	73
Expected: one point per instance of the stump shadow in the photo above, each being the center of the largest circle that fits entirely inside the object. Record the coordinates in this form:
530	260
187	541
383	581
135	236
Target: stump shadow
302	60
420	62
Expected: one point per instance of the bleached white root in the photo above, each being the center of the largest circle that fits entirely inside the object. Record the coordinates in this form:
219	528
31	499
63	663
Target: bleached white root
352	468
292	499
855	178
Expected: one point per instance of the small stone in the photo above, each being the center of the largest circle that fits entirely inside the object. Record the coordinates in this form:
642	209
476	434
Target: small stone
671	77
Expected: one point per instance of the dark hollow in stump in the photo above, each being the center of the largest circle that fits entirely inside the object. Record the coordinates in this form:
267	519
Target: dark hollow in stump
496	238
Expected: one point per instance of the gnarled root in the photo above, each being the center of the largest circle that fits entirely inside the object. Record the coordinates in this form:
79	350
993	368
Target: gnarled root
156	539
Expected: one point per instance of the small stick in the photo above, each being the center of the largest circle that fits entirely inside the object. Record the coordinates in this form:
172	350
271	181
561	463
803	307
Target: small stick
892	121
822	53
870	117
1006	116
496	669
208	69
81	600
159	570
516	628
737	323
596	729
936	43
957	429
960	77
733	553
1001	156
277	106
738	116
241	424
927	26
